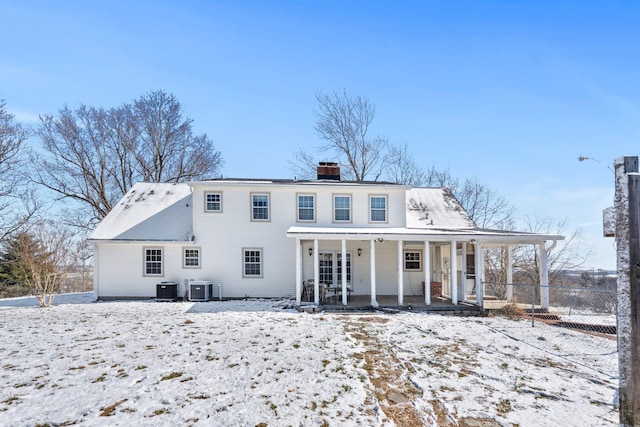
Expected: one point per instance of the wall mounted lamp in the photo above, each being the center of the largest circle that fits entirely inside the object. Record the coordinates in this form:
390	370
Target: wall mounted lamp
310	251
359	251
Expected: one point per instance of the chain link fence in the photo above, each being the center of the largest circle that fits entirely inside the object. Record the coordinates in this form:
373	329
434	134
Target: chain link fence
587	315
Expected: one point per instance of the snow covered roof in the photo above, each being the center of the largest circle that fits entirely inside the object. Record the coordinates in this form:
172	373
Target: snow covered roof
435	208
150	212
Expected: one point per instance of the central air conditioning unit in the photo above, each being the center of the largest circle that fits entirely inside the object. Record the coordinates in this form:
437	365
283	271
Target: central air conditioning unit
166	291
200	290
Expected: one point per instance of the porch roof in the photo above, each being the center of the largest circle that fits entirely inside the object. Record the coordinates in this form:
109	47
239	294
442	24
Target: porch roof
482	236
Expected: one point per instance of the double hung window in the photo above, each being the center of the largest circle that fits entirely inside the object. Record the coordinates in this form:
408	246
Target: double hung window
378	209
306	207
191	257
153	259
213	202
252	262
342	208
412	260
260	207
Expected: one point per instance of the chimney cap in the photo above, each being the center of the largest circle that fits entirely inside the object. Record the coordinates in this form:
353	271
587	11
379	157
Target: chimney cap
329	170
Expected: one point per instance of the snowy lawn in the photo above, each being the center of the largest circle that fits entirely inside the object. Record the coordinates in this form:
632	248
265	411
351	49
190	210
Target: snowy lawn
250	363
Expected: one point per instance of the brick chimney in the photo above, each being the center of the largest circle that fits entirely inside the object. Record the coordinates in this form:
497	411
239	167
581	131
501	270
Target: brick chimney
329	170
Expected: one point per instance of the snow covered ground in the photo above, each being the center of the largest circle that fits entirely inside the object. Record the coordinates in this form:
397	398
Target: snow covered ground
248	363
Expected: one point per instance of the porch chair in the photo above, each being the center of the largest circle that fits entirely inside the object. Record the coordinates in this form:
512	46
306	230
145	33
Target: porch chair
307	289
327	293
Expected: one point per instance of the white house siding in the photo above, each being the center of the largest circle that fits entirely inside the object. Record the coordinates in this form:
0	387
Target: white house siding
120	272
222	236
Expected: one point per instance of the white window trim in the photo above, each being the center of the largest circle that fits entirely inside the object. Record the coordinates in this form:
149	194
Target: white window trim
184	256
253	276
386	208
404	260
206	204
333	212
144	261
298	195
268	207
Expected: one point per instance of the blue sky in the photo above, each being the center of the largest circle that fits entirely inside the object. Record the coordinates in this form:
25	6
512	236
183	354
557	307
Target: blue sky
509	92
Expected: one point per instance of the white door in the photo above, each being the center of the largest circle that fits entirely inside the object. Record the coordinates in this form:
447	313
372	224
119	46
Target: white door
331	267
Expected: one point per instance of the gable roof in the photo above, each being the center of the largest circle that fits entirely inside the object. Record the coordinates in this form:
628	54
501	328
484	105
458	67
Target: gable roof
149	212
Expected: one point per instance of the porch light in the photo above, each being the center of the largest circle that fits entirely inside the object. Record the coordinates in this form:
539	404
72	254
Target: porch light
359	251
310	251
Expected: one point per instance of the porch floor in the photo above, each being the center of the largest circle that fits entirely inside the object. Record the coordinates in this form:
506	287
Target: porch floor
390	303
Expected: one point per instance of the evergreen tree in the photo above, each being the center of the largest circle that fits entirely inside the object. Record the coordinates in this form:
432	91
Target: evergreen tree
14	274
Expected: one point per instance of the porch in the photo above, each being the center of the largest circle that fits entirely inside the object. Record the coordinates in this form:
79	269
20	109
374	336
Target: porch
439	304
400	268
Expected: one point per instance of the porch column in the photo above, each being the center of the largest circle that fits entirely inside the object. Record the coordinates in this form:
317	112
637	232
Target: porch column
479	262
298	270
509	273
544	277
453	273
344	272
316	273
463	271
374	302
427	273
400	275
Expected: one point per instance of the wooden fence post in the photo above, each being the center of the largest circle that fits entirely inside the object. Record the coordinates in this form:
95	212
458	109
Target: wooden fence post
627	208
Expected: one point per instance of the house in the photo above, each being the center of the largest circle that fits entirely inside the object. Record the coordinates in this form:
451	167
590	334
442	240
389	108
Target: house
307	240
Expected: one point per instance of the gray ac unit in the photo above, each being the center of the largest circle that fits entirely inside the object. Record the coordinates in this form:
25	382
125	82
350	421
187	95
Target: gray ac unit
200	290
167	291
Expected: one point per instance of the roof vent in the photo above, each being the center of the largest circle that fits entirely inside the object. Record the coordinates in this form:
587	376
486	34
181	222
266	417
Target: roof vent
329	170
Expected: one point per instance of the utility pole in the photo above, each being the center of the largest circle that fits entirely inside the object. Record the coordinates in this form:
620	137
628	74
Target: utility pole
627	234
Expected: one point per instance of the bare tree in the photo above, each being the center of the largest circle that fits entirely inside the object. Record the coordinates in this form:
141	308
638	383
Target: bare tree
92	156
485	206
342	123
440	179
303	164
17	203
569	254
402	167
47	258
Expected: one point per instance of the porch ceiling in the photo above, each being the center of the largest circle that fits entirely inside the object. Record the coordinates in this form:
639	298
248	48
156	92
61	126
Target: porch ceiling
485	237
